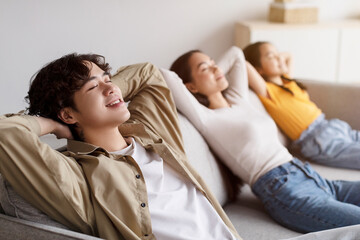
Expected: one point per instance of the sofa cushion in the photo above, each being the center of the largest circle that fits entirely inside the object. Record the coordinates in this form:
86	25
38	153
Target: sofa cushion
15	228
202	159
251	220
15	206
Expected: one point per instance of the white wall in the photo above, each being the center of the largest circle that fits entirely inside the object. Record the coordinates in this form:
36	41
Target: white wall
34	32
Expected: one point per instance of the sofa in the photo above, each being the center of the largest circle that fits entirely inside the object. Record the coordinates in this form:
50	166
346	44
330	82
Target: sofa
19	220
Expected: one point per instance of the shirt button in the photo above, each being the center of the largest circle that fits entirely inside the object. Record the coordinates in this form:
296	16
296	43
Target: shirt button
138	176
143	205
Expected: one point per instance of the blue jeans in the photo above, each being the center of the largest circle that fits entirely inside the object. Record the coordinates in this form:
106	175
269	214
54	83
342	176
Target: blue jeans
330	142
299	198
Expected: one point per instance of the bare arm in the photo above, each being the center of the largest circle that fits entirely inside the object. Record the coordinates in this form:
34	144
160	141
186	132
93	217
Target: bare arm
256	81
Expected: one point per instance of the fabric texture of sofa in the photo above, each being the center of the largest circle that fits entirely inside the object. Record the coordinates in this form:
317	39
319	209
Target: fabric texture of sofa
22	221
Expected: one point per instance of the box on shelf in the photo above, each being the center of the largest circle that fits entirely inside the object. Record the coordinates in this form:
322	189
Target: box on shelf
293	12
282	1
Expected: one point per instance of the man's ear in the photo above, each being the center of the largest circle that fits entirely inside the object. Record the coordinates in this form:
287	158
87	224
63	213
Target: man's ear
66	115
191	87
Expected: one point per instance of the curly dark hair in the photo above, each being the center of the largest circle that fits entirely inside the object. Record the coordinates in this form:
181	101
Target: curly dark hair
182	68
52	88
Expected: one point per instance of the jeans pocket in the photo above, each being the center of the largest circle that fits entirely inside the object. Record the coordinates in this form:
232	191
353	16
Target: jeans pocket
277	184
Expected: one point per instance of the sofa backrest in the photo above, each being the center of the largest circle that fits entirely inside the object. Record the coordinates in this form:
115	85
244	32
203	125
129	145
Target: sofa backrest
336	100
203	160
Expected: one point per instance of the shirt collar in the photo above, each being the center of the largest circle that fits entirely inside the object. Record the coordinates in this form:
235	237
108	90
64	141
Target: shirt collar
82	148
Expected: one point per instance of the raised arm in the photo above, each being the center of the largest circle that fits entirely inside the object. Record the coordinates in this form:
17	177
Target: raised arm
150	101
185	102
49	126
256	81
234	65
44	177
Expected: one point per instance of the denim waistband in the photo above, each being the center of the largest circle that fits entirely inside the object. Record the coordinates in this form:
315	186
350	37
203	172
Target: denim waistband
280	170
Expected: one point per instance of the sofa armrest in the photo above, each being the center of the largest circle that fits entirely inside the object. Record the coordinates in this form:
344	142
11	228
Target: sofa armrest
14	228
336	100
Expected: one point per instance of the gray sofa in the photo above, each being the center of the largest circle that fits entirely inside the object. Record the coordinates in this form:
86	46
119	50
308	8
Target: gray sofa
245	211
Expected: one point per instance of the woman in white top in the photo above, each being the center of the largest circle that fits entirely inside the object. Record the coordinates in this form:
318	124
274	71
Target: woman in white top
215	99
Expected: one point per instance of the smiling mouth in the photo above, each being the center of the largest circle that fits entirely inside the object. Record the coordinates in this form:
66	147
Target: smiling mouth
113	103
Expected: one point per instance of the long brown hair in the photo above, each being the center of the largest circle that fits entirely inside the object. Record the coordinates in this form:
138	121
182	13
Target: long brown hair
253	56
182	68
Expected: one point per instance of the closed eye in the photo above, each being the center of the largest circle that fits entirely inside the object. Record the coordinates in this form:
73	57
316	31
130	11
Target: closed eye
91	88
204	69
106	77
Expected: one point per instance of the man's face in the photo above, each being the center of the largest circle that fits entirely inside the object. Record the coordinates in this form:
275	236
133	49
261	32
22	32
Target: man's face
99	102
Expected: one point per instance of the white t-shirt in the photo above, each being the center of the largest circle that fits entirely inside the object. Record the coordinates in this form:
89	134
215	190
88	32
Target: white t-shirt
245	139
177	209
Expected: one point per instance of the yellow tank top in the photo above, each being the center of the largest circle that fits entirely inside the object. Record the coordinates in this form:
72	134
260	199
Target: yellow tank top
292	113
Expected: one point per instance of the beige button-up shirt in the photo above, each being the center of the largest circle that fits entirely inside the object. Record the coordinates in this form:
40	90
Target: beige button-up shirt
88	189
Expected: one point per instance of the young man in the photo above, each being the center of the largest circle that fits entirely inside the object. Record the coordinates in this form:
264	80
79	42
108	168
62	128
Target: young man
125	176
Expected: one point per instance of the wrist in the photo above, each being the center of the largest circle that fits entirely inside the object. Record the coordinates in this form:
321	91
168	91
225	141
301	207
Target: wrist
47	125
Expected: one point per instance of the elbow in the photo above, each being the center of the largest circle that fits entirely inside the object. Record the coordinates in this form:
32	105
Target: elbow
238	52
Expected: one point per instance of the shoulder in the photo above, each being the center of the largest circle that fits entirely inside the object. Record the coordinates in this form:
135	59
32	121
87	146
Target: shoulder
270	85
136	69
291	85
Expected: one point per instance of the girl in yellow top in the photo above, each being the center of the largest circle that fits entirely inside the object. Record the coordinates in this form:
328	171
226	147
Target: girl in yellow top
329	142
